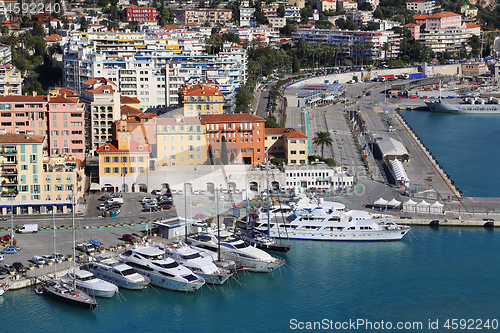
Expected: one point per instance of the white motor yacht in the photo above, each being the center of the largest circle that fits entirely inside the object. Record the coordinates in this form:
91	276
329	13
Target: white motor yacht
198	262
164	272
245	256
122	275
320	220
93	286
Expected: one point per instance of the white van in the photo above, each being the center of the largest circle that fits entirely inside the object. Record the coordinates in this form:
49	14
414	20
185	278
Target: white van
115	200
27	228
37	260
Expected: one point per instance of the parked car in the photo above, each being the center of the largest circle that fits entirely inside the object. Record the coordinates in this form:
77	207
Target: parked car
128	237
102	207
86	248
14	247
19	267
157	192
200	216
166	206
37	260
4	271
9	250
58	256
196	192
2	257
6	238
150	209
147	199
48	258
173	191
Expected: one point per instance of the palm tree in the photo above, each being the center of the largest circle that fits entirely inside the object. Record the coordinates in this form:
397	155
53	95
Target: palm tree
322	139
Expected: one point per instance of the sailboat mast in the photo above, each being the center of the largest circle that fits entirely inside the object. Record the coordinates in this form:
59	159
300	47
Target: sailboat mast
218	224
246	202
55	251
267	175
74	235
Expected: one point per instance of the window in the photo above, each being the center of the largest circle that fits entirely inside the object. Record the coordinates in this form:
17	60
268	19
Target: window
131	170
258	150
54	143
141	169
66	143
107	170
116	170
172	157
191	157
140	159
302	152
107	159
124	159
293	152
132	159
116	159
124	171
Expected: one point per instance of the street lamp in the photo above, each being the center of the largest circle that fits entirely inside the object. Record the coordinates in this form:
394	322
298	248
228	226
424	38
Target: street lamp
124	174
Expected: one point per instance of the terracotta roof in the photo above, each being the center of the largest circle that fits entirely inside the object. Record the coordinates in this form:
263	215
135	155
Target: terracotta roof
287	132
199	90
94	80
443	14
420	17
134	148
128	110
53	38
101	90
472	25
69	92
127	99
138	7
411	25
21	138
229	117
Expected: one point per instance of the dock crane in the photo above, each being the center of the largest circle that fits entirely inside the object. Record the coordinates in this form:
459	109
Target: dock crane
373	63
482	39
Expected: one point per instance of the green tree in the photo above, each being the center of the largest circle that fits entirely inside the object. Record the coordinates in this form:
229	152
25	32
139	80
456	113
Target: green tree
38	30
322	139
232	159
295	65
365	6
165	14
38	45
114	13
281	10
84	24
223	151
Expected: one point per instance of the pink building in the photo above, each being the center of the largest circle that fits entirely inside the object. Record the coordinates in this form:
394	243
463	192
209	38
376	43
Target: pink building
59	119
444	20
414	29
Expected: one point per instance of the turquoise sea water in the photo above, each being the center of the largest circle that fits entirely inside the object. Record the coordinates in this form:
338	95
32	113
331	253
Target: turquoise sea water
467	146
445	273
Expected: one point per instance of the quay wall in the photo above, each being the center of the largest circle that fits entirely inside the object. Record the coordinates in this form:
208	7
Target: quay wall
446	222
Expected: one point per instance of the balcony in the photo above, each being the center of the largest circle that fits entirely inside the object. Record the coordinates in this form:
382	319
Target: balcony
8	151
10	193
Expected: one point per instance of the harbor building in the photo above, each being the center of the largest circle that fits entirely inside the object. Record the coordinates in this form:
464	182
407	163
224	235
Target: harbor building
317	176
287	143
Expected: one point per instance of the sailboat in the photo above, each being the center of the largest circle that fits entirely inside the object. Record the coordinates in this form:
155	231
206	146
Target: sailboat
259	239
62	290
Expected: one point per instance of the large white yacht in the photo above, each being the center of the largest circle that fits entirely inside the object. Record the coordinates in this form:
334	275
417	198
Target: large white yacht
320	220
93	286
197	261
245	256
122	275
164	272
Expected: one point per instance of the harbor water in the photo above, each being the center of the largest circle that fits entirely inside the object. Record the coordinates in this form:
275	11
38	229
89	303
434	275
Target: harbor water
442	273
465	145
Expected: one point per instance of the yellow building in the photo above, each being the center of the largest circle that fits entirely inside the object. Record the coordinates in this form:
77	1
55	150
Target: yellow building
31	182
123	164
200	99
288	143
180	141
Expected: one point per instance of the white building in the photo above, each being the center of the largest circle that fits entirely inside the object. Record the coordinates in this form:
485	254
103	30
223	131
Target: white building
292	13
421	6
447	40
265	35
318	176
152	69
247	17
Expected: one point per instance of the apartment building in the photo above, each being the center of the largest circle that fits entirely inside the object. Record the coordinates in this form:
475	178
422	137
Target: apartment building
421	6
447	40
347	5
10	80
247	17
262	34
139	14
199	99
244	134
288	143
277	22
468	11
180	141
59	119
5	55
32	182
349	37
414	29
292	12
151	69
219	16
327	5
443	20
269	12
359	17
141	126
421	19
123	165
102	100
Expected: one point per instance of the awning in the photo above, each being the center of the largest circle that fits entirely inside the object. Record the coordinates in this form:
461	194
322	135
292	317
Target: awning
36	203
95	187
393	203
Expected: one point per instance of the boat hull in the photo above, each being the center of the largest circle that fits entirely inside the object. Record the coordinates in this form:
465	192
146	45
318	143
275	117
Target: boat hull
376	235
443	107
96	292
170	284
252	265
73	300
120	282
214	278
279	248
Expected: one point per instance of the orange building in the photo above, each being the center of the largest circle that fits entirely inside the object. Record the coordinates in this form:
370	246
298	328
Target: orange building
141	126
200	99
244	135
